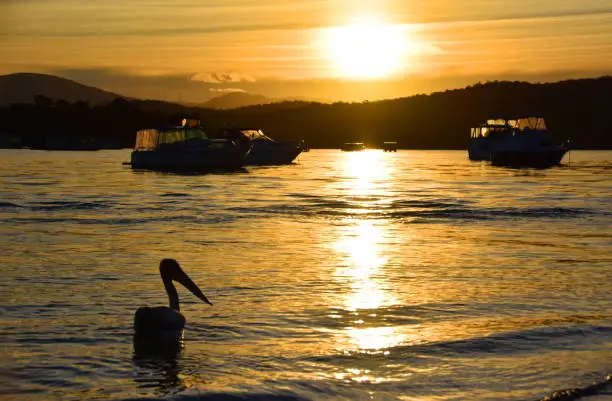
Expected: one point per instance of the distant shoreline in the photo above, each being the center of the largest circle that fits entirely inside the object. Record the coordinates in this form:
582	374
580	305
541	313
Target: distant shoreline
588	148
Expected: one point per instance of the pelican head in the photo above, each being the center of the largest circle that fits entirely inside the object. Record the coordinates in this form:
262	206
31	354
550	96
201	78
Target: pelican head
152	321
171	271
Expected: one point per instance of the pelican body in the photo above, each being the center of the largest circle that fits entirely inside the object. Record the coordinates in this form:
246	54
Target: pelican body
164	321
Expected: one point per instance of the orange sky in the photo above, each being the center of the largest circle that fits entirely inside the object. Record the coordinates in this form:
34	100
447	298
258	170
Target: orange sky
192	50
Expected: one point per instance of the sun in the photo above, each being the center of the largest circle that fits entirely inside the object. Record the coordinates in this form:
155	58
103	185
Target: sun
366	49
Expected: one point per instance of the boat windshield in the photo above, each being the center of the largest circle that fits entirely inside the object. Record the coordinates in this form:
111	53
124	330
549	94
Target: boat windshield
488	130
254	134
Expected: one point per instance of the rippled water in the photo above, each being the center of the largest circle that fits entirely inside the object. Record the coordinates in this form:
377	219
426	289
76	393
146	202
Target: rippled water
415	275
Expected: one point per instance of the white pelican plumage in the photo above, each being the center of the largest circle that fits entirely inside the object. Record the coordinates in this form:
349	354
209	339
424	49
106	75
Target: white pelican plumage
153	322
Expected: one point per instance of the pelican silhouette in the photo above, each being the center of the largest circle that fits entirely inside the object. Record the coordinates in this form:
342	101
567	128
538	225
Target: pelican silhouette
160	320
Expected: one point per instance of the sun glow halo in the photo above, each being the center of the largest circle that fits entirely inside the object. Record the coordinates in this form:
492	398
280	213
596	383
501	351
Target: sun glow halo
366	49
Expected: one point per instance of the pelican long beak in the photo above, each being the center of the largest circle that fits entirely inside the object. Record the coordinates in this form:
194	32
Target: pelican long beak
182	278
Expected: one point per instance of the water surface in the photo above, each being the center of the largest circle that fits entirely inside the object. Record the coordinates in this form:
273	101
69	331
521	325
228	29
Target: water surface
415	275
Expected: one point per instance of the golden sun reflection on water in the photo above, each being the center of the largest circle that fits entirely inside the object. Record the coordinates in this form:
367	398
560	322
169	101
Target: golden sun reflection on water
369	172
377	338
366	292
362	263
363	254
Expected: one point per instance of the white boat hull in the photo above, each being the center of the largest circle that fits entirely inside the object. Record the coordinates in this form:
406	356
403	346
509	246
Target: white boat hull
271	153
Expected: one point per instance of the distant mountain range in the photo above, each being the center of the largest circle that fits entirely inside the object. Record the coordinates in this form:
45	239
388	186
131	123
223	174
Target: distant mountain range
234	100
24	87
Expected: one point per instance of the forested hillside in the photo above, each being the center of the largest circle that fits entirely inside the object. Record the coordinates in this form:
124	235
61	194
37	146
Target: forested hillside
576	110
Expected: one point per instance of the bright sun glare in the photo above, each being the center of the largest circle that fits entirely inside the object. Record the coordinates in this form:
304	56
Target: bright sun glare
366	49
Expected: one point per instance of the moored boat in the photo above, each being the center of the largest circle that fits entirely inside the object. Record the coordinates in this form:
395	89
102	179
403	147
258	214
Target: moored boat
389	146
521	142
186	147
352	147
265	150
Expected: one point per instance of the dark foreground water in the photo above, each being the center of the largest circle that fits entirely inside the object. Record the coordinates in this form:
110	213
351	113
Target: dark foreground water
415	275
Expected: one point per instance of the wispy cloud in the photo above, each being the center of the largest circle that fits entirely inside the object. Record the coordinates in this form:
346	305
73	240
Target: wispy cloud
222	77
226	90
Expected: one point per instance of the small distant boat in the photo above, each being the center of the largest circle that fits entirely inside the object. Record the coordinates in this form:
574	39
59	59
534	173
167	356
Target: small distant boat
389	146
353	147
265	150
187	147
521	142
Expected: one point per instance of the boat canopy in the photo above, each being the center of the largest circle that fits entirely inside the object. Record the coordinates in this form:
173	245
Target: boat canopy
148	139
531	123
499	121
495	126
